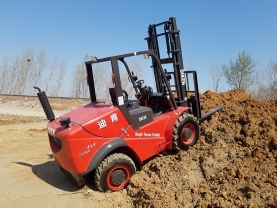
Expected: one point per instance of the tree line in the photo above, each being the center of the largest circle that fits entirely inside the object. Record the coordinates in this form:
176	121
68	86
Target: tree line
243	73
19	74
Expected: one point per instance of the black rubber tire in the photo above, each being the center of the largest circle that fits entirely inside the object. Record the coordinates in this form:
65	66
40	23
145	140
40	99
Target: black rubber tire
185	126
118	164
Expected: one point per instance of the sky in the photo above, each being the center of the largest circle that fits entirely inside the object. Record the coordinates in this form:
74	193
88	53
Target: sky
212	31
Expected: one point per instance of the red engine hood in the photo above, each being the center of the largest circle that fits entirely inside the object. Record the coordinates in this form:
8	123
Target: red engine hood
99	119
88	113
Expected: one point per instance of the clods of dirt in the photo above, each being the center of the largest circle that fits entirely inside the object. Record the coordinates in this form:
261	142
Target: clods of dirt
234	163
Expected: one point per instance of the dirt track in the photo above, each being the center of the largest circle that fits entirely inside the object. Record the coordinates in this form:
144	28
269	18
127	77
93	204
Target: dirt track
29	177
234	164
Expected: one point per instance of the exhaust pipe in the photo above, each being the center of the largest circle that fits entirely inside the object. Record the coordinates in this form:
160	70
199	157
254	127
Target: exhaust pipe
45	104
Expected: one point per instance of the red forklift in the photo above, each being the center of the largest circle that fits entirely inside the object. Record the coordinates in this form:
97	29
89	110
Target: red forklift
109	139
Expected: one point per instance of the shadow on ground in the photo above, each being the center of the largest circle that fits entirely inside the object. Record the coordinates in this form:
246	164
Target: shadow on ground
51	173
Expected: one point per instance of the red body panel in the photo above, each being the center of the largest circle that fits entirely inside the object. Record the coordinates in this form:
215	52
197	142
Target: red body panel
78	147
100	119
94	125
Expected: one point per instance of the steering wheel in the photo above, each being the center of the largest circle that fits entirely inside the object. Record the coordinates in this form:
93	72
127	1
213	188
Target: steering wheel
125	96
139	83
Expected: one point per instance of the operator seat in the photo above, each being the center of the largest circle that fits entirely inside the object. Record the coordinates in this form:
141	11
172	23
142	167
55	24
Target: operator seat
130	104
141	114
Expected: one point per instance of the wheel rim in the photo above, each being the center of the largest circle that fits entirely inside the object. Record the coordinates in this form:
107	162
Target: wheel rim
188	133
118	177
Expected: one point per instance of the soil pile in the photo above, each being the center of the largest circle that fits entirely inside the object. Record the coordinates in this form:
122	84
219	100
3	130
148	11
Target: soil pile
234	163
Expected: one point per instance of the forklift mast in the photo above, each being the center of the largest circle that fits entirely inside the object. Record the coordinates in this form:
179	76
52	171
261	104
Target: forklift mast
180	86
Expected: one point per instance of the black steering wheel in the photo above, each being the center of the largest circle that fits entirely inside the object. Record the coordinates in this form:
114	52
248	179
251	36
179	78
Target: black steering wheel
139	83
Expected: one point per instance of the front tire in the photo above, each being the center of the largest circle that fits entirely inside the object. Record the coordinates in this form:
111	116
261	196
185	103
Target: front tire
186	132
114	172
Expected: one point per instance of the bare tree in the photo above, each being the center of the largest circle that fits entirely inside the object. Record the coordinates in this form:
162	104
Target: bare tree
24	68
216	76
19	74
60	75
103	80
50	75
264	85
4	73
271	79
40	66
14	77
79	83
256	87
77	80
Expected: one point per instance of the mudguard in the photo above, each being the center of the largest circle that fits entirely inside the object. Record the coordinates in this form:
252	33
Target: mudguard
104	151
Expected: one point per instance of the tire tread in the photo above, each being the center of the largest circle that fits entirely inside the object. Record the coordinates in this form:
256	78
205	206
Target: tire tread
181	118
105	164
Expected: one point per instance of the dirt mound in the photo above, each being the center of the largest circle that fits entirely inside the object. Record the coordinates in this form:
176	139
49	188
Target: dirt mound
233	164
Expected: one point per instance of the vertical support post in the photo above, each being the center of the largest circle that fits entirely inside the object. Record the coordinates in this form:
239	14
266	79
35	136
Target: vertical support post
91	82
119	96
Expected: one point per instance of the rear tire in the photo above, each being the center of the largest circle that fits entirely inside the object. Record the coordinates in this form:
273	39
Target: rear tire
186	132
114	172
